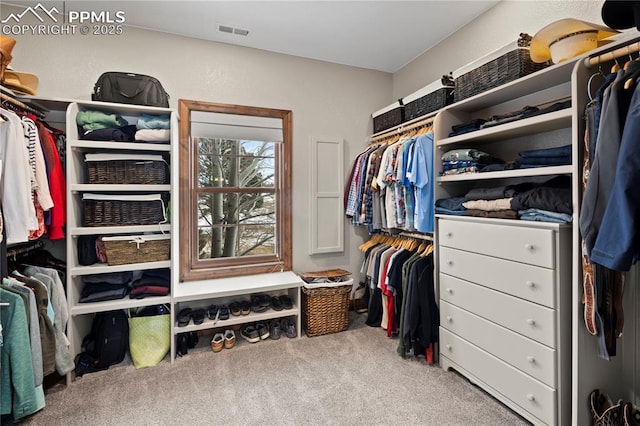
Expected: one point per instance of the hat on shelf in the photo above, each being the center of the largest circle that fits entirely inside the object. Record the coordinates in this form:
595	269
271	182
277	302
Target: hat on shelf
621	14
20	83
567	38
6	47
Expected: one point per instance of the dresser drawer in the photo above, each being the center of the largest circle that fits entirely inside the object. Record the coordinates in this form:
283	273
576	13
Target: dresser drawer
525	391
518	279
534	246
529	319
521	352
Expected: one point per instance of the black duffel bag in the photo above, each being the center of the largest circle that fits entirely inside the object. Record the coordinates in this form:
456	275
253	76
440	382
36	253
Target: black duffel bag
130	88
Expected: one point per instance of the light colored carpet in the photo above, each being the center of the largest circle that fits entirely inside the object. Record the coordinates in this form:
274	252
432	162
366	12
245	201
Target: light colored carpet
349	378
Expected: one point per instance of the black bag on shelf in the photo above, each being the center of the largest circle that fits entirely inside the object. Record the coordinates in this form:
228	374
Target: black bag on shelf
109	338
87	250
130	88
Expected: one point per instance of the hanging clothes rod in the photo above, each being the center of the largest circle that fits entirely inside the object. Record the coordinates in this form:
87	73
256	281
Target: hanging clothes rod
6	99
14	251
403	128
416	235
632	47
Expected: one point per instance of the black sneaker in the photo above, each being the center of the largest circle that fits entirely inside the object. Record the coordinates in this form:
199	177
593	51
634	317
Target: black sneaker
275	304
263	330
250	334
182	344
274	329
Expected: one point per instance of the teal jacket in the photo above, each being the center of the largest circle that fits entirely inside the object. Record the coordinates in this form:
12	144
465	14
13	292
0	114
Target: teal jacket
17	390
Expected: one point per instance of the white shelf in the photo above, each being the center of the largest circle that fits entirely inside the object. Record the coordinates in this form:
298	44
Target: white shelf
105	269
94	230
503	174
554	75
235	320
84	187
533	125
235	286
125	146
110	305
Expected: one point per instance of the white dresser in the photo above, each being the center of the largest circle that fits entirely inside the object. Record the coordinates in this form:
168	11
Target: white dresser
504	312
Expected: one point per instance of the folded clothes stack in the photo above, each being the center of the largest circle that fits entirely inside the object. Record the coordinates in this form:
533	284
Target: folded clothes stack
108	286
153	128
545	202
458	161
100	126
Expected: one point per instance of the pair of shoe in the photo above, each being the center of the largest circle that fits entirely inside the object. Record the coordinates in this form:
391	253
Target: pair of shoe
253	333
186	341
242	307
226	340
605	412
284	325
279	303
260	302
187	314
215	313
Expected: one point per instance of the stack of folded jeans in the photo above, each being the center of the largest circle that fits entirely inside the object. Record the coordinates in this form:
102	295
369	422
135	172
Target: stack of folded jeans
101	287
557	156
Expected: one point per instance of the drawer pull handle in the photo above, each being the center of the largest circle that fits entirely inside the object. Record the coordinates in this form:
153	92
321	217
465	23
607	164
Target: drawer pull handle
530	397
448	347
450	262
449	318
531	321
450	290
449	234
529	246
531	359
531	284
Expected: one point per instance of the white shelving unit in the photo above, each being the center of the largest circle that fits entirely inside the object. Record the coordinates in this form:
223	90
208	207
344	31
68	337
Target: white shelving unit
201	294
81	314
507	326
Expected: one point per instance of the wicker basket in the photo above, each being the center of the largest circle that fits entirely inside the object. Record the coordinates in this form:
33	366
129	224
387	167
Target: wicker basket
126	169
428	99
127	249
500	67
388	117
123	212
326	309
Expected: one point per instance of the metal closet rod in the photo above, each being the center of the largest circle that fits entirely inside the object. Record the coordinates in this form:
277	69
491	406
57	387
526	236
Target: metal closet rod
630	48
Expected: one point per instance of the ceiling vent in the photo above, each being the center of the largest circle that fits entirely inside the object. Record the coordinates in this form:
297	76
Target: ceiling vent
231	30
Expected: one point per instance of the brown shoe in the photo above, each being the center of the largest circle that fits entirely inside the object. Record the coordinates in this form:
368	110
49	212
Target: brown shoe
229	339
217	343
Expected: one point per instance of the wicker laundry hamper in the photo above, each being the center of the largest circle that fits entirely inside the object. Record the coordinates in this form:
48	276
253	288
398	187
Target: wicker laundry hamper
325	305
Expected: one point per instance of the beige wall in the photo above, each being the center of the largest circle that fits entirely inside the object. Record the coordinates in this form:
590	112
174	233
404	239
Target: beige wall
326	99
496	28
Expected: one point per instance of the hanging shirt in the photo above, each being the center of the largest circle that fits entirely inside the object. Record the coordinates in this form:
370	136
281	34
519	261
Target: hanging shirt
15	193
421	176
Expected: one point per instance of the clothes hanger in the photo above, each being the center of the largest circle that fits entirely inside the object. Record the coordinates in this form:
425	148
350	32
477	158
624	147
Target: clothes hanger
616	66
631	79
596	74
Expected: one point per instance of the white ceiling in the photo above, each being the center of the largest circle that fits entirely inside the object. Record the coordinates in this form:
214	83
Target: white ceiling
378	35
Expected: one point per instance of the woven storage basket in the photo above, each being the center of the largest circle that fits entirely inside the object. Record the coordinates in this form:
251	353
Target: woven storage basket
326	309
388	117
124	212
127	249
126	169
500	67
428	99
